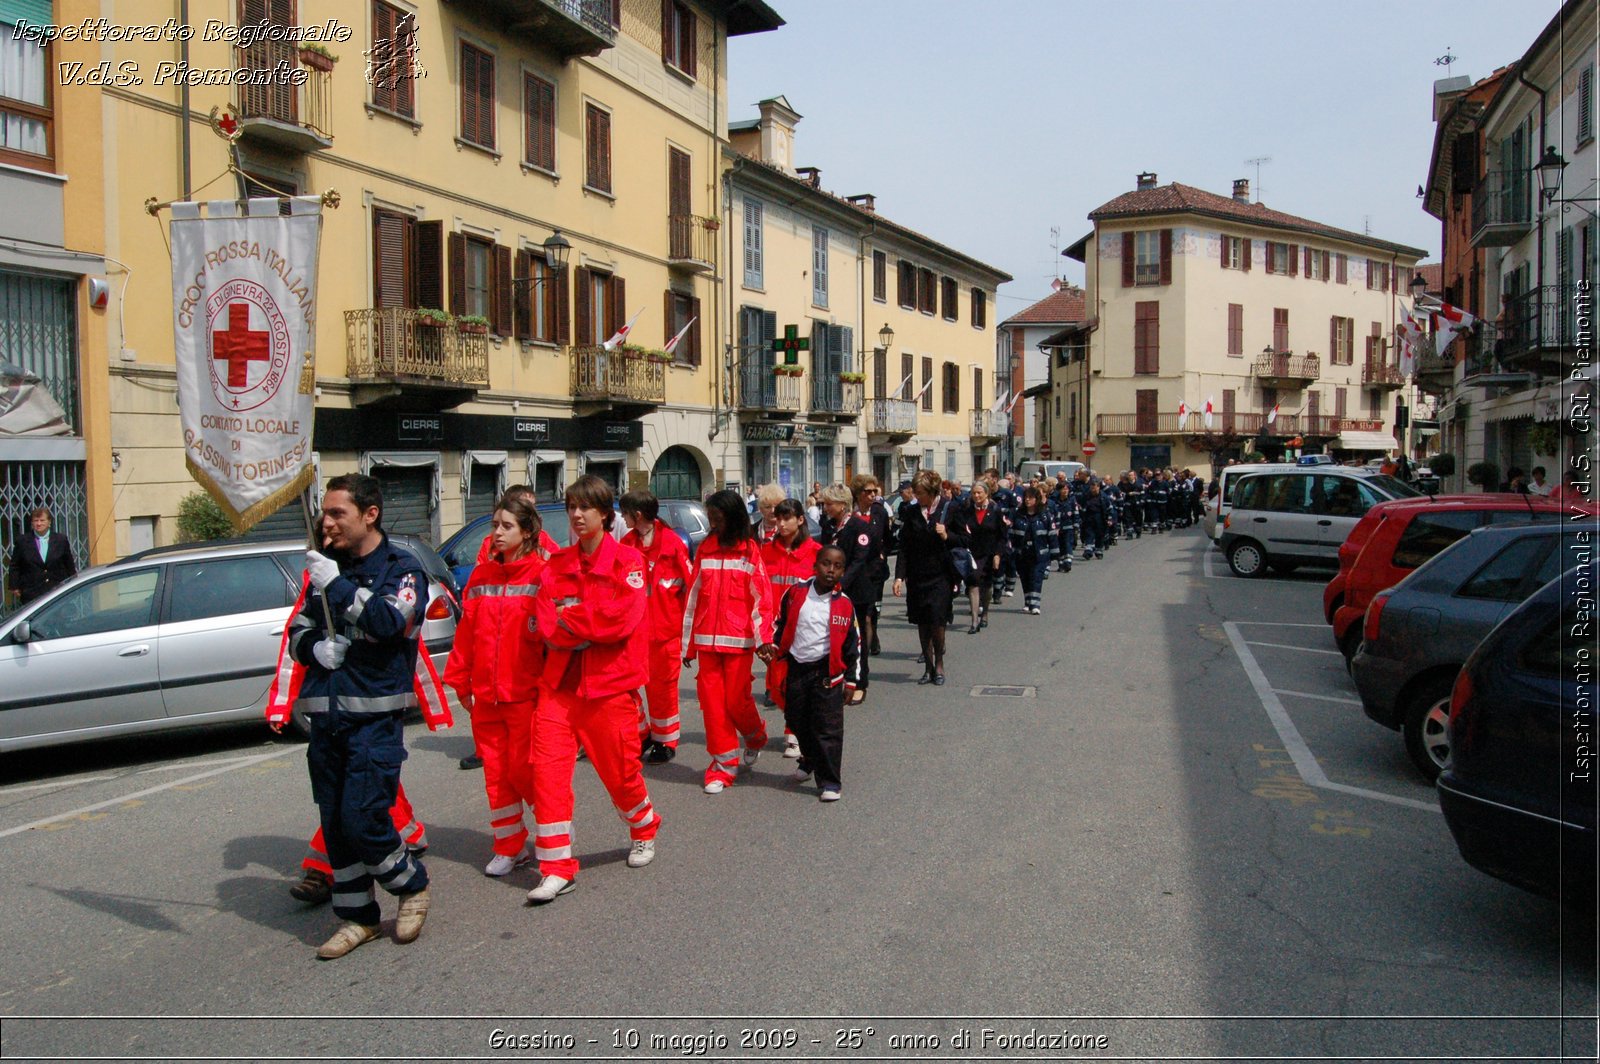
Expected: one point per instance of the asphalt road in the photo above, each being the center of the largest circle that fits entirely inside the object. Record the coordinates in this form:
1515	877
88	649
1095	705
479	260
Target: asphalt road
1183	839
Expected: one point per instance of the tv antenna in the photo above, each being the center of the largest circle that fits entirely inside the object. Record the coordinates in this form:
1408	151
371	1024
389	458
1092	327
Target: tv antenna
1258	162
1055	251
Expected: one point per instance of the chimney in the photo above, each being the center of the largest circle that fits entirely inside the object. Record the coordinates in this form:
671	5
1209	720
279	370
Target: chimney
866	201
778	120
1241	190
812	175
1146	180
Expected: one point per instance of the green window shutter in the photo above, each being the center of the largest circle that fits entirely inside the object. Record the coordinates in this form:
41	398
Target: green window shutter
34	12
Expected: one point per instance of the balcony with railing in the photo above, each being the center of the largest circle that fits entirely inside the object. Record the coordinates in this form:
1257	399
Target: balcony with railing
617	380
1281	369
395	358
1240	424
1376	373
1539	327
894	418
1501	208
835	398
568	27
763	390
297	118
691	243
989	424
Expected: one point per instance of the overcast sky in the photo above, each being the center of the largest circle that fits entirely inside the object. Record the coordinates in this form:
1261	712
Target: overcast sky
985	123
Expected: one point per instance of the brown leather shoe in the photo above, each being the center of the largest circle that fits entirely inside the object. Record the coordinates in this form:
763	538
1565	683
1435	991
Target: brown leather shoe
315	889
347	938
413	911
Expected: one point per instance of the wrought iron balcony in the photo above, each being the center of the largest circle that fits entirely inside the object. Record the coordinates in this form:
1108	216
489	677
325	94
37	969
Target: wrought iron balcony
294	117
395	358
763	390
989	424
1280	369
1501	208
567	27
617	378
1379	374
1538	328
1242	424
691	244
895	418
832	396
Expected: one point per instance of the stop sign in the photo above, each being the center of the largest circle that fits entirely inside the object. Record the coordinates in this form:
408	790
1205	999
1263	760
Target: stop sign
1089	448
1044	450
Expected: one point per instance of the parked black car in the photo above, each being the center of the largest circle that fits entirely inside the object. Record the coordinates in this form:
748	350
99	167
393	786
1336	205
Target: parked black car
1519	792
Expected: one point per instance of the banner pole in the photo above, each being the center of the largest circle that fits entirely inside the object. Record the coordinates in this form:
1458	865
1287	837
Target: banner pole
316	544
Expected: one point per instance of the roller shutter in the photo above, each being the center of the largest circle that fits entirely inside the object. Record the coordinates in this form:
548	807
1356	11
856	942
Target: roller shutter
407	493
485	486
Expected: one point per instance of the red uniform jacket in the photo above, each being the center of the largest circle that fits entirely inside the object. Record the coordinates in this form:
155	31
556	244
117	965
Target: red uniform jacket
729	610
844	648
596	645
667	575
498	653
786	568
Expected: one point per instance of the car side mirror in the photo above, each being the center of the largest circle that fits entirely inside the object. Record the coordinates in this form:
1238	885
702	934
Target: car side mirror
22	633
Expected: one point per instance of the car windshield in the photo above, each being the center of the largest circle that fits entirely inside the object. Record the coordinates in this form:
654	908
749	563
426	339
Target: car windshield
1395	489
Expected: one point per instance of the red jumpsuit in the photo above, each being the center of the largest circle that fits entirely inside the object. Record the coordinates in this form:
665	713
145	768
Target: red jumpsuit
785	568
494	669
729	615
591	613
667	570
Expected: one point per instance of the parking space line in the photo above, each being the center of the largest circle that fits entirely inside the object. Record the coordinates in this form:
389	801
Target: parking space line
1305	763
1281	624
238	764
1206	567
1319	698
54	783
1303	650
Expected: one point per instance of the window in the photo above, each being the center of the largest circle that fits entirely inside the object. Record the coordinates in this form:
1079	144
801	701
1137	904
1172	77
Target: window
597	143
394	52
1147	257
927	294
1236	329
952	387
1282	258
1230	400
678	31
977	388
819	266
1377	275
225	586
1502	579
477	96
1316	265
681	310
112	604
906	285
1072	414
1280	329
1235	252
1341	269
1586	104
600	299
947	298
480	281
1428	534
477	280
1146	410
1341	341
980	309
27	121
408	261
1375	345
754	261
880	373
927	384
539	123
1341	402
1147	337
880	276
908	372
540	300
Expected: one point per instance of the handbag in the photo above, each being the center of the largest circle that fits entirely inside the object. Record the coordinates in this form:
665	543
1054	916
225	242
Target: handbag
965	565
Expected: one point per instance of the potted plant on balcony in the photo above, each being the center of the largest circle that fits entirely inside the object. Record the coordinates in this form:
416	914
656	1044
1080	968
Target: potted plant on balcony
784	369
853	378
317	57
473	323
710	222
433	317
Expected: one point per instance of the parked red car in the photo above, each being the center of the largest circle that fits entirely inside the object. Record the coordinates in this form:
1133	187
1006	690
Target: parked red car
1397	536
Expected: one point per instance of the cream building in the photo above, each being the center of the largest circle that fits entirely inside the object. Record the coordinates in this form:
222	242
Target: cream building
461	139
1194	296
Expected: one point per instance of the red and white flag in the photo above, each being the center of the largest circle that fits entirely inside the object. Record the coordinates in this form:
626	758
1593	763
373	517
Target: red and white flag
1183	414
1452	318
1013	402
621	336
1272	415
672	344
1411	338
1207	419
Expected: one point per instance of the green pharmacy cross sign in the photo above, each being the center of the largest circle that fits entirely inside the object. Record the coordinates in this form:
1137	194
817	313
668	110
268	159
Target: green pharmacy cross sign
790	344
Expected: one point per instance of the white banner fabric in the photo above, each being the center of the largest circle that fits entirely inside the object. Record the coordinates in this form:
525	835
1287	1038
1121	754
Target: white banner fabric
244	296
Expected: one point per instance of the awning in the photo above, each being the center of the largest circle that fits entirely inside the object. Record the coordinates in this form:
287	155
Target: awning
1365	441
1036	391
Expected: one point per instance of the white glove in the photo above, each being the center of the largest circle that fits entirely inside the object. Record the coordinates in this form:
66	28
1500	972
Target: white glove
324	570
330	652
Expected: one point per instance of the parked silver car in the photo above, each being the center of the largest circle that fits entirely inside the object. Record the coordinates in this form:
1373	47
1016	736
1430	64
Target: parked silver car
169	638
1283	519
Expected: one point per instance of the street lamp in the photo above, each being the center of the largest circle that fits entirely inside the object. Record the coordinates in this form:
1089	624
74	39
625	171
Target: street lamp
1419	285
1549	170
885	336
556	250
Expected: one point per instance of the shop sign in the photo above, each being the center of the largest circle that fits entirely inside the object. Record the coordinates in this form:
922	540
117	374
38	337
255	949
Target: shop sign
531	429
420	429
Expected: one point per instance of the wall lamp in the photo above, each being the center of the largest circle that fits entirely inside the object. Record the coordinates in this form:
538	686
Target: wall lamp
557	248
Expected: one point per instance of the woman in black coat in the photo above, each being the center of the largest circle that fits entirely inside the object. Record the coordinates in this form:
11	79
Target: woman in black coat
923	572
984	526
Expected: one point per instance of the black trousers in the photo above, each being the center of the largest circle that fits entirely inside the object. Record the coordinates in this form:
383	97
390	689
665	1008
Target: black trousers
815	714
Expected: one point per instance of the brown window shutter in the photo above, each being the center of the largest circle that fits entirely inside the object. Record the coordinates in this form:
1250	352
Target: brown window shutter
521	296
668	51
1342	266
469	92
619	305
458	274
383	22
1266	254
561	306
1166	256
1224	243
1294	260
392	275
1307	253
1244	243
691	42
1333	340
428	265
502	290
693	337
1127	260
581	279
666	316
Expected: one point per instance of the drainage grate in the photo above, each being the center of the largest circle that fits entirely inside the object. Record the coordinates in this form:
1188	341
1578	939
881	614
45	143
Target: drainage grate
1002	691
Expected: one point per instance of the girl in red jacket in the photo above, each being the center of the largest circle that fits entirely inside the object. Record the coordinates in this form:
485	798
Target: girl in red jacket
789	557
667	569
494	669
728	616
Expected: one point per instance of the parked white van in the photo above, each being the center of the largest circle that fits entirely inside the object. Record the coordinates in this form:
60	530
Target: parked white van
1047	470
1283	519
1218	505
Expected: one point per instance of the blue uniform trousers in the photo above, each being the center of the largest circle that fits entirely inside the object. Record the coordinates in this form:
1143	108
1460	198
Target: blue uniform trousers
1034	569
355	768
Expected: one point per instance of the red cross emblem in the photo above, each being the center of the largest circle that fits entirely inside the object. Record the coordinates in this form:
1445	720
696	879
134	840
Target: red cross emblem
240	345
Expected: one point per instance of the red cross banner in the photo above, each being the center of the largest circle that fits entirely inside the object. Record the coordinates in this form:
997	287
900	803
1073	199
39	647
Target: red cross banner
244	284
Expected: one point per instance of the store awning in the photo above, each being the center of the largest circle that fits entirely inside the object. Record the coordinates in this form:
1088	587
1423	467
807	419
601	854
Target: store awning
1365	441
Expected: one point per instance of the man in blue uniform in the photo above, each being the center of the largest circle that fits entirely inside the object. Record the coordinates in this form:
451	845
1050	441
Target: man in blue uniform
357	638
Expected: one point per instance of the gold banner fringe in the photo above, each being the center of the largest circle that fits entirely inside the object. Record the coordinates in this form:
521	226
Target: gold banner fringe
243	522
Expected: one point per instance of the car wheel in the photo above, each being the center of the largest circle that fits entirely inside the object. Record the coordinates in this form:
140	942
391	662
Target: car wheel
1246	558
1284	567
1425	727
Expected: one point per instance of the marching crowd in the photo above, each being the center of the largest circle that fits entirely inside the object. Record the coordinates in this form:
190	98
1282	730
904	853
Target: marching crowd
578	652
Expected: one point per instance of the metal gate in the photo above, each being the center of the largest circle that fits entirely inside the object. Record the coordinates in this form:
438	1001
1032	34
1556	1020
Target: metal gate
288	522
676	475
407	499
57	485
37	332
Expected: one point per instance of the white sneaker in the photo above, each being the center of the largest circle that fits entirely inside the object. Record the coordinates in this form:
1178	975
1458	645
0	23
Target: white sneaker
501	865
643	852
1034	611
715	787
549	889
799	775
791	746
829	795
1011	594
748	761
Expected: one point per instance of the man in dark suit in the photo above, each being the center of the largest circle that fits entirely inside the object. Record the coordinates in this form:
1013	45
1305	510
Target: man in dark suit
40	560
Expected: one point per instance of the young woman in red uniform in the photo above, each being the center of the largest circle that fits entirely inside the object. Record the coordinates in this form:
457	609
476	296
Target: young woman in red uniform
494	670
666	578
789	557
727	617
591	607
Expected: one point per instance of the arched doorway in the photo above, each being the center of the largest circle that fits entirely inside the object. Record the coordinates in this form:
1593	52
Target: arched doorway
676	475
